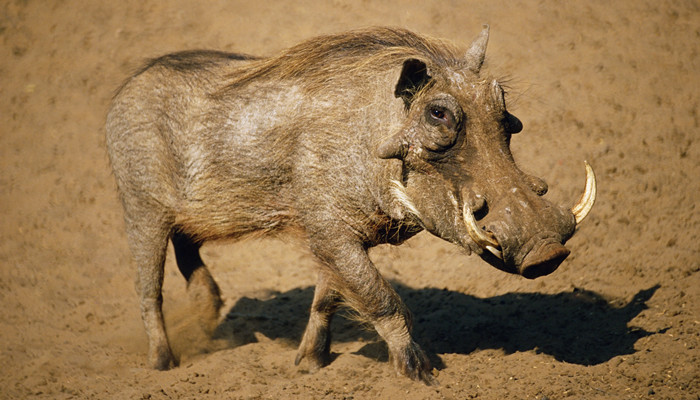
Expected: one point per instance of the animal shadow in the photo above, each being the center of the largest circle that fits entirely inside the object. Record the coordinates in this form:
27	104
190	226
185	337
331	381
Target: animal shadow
579	327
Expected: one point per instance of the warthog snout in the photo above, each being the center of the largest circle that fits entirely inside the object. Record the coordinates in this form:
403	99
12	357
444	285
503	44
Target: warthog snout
526	236
543	260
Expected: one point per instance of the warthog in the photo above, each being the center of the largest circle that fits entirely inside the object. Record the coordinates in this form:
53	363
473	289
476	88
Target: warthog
349	141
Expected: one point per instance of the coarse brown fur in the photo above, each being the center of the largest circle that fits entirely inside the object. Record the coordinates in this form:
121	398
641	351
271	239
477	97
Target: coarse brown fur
333	140
318	61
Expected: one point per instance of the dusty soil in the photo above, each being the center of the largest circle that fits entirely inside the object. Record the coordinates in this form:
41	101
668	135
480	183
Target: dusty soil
615	83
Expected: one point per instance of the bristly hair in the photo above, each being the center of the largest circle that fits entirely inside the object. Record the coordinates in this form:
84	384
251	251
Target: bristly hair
399	192
316	58
188	60
511	90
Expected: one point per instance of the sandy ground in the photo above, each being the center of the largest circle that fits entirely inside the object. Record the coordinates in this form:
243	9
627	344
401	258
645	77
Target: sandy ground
615	83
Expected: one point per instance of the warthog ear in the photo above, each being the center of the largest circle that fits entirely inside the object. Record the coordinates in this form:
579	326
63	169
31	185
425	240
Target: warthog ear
414	76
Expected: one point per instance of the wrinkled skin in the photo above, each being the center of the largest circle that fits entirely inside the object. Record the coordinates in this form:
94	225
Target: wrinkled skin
470	162
346	141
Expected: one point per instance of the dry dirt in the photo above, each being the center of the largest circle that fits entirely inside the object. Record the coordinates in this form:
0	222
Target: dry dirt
615	83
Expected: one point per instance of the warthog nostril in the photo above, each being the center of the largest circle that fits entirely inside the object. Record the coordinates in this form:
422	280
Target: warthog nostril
543	259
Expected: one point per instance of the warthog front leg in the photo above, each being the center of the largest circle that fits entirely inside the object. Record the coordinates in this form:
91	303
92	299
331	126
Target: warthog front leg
353	275
406	355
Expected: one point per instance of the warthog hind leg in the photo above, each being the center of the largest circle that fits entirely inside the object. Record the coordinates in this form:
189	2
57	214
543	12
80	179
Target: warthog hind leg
316	344
202	290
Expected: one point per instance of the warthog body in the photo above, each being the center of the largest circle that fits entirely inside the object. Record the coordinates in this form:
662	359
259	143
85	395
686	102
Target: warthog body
348	141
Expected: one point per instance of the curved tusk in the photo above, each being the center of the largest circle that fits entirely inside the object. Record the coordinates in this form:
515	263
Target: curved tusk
585	203
478	235
495	252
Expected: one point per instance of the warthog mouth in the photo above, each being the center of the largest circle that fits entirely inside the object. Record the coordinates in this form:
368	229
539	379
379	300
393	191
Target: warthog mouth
543	259
545	255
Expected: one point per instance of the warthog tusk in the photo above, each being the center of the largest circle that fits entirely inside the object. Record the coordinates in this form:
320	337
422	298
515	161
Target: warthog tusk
478	235
585	203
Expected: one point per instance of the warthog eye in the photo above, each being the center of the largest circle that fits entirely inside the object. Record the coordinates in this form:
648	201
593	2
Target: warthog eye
445	136
438	114
441	116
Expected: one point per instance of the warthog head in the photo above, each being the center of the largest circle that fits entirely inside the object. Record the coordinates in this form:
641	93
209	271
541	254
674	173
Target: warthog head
459	179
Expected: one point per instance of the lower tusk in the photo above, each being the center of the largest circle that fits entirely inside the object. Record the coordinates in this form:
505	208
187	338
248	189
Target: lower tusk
494	251
585	203
478	235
